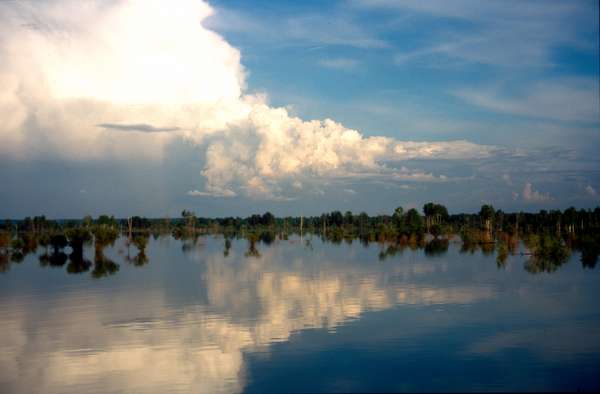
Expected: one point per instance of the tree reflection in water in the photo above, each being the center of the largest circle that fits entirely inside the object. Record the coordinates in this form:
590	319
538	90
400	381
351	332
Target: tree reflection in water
252	251
104	236
547	253
4	261
189	242
77	238
104	266
55	259
436	247
391	251
590	249
227	247
141	242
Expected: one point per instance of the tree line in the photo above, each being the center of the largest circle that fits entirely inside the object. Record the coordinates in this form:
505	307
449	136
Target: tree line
431	228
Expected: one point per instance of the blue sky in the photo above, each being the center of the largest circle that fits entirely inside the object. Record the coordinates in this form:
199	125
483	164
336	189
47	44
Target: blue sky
516	80
397	67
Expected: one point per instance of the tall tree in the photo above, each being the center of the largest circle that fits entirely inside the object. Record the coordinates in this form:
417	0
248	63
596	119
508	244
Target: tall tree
486	214
413	222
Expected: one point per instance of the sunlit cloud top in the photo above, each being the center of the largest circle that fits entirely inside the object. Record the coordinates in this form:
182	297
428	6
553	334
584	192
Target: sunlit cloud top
141	82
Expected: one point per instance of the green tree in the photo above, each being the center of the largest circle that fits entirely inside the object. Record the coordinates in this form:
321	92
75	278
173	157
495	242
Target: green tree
486	214
190	220
435	214
58	242
363	221
105	220
348	218
398	220
436	230
413	222
267	219
570	219
336	218
87	221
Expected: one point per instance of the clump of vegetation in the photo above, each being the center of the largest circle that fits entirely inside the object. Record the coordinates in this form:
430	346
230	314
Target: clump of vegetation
590	249
436	247
140	241
502	254
227	247
550	235
104	236
547	253
252	250
5	239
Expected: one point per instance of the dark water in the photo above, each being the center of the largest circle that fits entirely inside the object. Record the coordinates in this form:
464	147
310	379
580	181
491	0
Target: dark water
324	318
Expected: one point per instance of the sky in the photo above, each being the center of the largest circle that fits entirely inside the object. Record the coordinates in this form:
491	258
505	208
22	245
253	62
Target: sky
229	108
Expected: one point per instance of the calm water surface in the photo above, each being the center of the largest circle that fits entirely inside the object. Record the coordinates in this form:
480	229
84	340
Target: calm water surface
297	318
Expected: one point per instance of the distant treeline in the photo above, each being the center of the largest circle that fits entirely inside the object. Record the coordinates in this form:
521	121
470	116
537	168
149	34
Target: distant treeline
433	219
550	236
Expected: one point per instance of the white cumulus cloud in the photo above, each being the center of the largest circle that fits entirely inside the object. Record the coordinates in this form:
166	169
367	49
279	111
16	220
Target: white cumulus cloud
532	195
590	191
99	80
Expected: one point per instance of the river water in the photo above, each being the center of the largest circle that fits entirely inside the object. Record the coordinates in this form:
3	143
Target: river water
296	316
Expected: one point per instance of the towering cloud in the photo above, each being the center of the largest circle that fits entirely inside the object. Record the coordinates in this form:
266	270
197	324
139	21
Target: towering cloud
102	80
68	67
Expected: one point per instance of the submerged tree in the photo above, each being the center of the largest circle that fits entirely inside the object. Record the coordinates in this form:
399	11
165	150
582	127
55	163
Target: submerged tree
190	220
391	251
17	250
78	236
487	214
5	239
436	247
57	258
140	241
547	253
413	223
397	220
252	251
502	254
590	249
435	214
227	247
104	235
103	266
4	261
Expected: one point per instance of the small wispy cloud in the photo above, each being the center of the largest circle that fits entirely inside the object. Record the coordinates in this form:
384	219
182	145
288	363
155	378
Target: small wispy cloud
571	99
339	64
446	50
214	193
350	191
532	195
505	33
507	179
590	191
315	31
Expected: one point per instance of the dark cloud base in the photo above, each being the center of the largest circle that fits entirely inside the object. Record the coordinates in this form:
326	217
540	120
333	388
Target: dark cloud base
142	127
